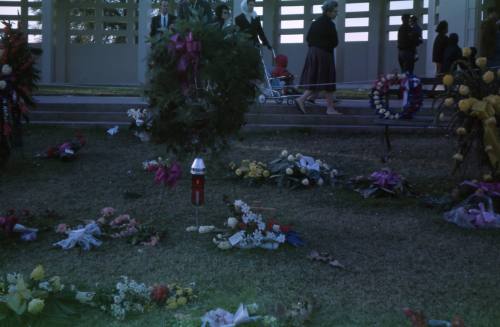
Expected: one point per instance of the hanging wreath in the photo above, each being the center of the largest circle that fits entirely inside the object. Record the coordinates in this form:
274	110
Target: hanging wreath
202	82
18	77
410	90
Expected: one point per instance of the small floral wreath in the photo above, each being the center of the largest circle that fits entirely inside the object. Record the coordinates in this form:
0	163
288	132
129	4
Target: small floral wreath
410	89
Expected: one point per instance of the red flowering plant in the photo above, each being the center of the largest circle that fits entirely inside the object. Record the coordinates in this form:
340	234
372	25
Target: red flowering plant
18	77
10	225
65	151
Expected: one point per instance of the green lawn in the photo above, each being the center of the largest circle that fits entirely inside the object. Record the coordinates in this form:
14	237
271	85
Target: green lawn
396	252
137	91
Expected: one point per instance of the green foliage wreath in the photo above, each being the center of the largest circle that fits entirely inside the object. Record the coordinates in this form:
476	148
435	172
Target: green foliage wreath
201	107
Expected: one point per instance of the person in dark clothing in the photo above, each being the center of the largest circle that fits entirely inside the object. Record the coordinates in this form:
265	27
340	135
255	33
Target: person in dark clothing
221	16
452	53
487	41
195	10
440	44
249	23
407	45
318	73
417	30
163	21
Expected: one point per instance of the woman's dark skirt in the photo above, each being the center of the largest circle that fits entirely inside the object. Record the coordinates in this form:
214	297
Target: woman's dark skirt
319	68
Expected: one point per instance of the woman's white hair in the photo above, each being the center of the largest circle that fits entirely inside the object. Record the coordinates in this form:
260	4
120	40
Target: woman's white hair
329	5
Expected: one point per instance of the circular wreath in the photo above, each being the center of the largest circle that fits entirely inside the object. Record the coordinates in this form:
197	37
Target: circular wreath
18	78
202	81
410	90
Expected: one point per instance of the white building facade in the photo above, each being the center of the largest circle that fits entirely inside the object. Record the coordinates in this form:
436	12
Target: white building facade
105	41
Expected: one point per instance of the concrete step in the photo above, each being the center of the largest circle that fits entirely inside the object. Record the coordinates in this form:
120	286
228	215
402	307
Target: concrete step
39	115
340	128
312	119
319	110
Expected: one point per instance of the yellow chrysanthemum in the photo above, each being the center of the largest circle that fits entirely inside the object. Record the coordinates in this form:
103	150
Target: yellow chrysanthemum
449	102
464	90
448	80
464	105
466	52
481	62
461	131
488	77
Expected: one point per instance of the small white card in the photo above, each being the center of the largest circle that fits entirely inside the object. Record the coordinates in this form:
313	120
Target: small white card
235	239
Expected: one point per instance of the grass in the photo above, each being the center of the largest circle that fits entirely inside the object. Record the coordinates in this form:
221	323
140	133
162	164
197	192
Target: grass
396	252
104	90
137	91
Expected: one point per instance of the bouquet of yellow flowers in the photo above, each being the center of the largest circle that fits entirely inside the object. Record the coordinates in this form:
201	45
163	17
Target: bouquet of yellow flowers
253	171
472	96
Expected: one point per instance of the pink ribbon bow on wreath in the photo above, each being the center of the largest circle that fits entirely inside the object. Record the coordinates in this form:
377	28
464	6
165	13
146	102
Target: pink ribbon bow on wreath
188	51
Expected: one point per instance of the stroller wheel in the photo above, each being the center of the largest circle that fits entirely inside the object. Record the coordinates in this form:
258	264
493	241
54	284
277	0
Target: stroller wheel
262	99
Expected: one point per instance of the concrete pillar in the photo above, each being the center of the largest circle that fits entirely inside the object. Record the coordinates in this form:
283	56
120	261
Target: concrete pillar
430	69
457	13
60	54
47	65
236	8
143	34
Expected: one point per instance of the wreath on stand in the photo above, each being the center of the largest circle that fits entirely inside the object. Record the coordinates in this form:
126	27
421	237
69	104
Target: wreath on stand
18	78
410	90
202	81
472	102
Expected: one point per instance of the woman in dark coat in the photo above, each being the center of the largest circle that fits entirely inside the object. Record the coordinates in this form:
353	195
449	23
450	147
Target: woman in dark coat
318	73
452	53
440	44
249	23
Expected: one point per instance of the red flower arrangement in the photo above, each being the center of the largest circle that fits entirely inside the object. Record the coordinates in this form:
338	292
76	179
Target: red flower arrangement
65	151
18	78
159	293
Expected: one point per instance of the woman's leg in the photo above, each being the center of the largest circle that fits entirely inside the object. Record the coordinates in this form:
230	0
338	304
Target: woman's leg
330	107
300	101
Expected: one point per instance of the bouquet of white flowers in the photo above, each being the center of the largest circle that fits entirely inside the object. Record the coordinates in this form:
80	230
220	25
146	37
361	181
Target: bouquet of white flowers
301	171
248	230
142	122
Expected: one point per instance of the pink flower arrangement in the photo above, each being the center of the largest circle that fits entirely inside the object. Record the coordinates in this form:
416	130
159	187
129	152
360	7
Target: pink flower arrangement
166	172
107	212
62	229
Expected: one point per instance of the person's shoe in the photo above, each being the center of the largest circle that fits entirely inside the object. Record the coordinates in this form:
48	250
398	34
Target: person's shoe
300	106
331	111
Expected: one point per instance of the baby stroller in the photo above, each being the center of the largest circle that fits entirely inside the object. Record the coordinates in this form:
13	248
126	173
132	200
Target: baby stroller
275	85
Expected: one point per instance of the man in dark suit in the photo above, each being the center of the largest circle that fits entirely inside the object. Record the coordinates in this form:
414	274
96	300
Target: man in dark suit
407	45
162	22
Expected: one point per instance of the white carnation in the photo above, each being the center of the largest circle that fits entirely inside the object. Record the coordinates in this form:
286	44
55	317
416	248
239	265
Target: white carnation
6	70
232	222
